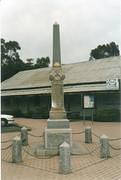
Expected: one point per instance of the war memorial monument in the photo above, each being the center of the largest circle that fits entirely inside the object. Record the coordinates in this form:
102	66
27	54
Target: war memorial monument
58	129
57	135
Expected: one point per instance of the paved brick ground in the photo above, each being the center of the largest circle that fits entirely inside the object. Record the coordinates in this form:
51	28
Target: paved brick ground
84	167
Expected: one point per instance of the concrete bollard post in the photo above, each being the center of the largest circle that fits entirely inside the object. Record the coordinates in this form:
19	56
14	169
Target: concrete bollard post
88	135
64	159
104	147
17	150
24	136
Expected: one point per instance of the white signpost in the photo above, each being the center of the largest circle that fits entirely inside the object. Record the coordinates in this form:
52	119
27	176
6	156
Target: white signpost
88	101
88	105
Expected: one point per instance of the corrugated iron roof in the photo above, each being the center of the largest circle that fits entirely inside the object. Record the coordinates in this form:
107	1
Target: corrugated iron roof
82	72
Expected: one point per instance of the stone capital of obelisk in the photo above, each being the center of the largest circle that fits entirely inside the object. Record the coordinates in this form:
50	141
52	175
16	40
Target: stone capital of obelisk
56	77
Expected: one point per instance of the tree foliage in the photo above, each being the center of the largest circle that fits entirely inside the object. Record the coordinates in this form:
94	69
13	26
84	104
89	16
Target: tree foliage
10	59
42	62
104	51
39	63
11	62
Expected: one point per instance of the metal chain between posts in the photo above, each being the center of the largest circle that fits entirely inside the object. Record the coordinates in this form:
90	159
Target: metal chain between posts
92	150
84	131
6	147
115	139
79	169
78	132
95	135
46	170
6	141
42	156
34	135
9	140
115	148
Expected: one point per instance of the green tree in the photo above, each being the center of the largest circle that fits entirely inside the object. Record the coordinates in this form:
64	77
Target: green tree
11	62
42	62
10	59
29	64
104	51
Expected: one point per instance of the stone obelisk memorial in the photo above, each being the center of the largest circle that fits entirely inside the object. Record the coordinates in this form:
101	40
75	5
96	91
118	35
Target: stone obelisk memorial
58	129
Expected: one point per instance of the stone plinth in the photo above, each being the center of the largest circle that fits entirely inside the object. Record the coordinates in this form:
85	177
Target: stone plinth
55	137
58	123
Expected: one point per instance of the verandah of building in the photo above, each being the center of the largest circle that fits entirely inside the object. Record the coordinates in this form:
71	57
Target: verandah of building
107	106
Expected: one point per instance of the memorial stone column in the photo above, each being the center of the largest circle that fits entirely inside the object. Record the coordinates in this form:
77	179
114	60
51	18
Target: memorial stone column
57	116
58	129
56	77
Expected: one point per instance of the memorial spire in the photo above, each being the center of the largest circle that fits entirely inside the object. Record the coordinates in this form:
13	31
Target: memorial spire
56	45
58	128
56	77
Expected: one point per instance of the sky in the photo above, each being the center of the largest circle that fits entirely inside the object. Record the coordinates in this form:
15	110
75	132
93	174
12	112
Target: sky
84	24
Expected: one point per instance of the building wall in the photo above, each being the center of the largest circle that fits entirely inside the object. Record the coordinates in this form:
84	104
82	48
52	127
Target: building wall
107	106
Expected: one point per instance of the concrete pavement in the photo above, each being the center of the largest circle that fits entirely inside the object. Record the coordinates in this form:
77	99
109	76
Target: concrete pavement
84	167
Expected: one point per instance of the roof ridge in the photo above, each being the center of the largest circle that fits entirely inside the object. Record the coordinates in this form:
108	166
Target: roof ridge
96	60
